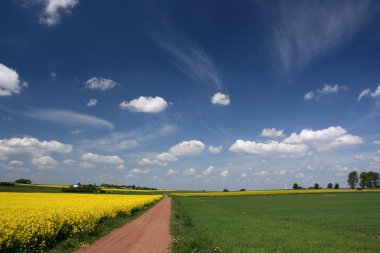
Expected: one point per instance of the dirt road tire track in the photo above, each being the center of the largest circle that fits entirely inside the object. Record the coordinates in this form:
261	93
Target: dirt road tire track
149	233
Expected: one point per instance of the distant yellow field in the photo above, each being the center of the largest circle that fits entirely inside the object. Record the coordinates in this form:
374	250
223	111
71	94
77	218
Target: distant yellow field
272	192
131	190
34	221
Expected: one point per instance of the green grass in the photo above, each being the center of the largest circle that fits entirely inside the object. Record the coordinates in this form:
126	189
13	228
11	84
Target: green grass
31	188
345	222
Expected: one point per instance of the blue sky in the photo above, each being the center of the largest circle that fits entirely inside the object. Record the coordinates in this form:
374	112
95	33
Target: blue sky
189	94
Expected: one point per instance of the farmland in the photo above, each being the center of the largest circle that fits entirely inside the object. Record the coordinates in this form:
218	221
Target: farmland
37	221
329	222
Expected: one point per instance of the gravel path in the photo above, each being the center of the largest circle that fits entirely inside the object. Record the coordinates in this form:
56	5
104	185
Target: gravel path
148	233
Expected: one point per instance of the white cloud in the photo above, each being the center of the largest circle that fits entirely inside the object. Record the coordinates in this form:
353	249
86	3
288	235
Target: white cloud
224	173
92	102
309	95
31	146
184	148
45	162
146	161
9	81
301	176
272	133
360	157
145	104
191	60
367	92
208	171
376	93
324	139
305	31
220	99
14	166
115	160
215	149
70	118
272	148
166	157
171	172
326	90
262	173
363	94
53	10
98	83
376	142
189	172
280	172
244	175
86	165
53	76
139	171
68	161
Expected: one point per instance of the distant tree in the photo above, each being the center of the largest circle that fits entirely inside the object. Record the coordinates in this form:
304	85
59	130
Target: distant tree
364	180
316	186
329	186
242	190
353	179
336	186
225	190
376	180
295	186
23	181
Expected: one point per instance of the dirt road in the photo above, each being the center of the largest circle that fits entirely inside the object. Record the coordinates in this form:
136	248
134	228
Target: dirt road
148	233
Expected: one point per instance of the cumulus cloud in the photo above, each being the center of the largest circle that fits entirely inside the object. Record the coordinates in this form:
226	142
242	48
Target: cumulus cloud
244	175
92	102
273	148
324	139
91	157
9	81
272	133
68	161
325	90
31	146
262	173
171	172
185	148
14	166
98	83
189	172
86	165
139	171
376	142
45	162
220	99
166	157
215	149
224	173
208	171
145	104
70	118
367	93
53	10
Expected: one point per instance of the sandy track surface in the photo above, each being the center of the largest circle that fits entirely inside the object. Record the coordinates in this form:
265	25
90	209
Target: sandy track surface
148	233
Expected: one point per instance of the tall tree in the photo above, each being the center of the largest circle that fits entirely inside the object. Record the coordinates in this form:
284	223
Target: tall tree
316	186
295	186
336	186
364	180
329	186
353	179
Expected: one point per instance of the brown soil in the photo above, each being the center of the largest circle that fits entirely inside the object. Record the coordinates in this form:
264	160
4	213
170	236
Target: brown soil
148	233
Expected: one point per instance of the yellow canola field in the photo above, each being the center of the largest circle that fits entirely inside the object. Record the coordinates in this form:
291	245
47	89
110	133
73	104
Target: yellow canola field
271	192
33	221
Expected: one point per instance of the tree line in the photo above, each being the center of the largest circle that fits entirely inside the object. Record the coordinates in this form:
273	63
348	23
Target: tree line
368	180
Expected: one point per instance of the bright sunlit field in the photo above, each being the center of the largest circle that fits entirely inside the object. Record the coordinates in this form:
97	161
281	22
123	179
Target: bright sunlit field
330	222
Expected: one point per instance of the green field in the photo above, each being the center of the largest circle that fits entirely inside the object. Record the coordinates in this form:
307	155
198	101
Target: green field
344	222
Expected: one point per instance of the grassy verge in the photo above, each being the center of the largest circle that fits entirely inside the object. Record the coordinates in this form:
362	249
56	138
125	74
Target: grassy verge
104	228
344	222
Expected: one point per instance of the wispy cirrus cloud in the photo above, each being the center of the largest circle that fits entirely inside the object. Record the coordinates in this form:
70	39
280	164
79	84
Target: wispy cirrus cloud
70	118
307	30
191	60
